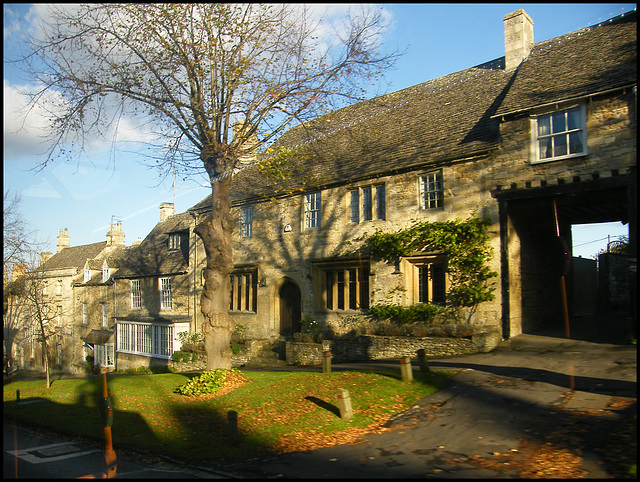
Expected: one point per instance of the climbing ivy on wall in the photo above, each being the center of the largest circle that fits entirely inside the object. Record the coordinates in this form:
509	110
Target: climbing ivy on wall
466	244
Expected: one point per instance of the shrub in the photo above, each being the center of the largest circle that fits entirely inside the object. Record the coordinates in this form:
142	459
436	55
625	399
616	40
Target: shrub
208	382
420	313
180	356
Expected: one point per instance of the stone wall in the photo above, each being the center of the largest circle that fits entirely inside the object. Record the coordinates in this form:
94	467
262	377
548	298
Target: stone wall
373	347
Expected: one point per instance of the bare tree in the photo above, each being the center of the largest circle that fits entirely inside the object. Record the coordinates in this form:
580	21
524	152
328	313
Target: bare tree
214	83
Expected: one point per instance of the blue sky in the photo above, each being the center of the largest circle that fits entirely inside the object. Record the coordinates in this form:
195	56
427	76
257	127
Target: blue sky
83	197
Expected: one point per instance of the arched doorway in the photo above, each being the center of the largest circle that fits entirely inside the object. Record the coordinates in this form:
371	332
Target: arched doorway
290	308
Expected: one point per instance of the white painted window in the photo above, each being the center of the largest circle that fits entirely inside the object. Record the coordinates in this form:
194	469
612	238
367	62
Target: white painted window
174	241
136	295
104	355
87	275
312	207
247	221
59	287
149	339
431	190
367	203
105	315
106	274
165	293
559	135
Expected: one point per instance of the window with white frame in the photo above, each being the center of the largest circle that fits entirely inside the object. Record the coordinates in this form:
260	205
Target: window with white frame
106	273
59	316
104	355
136	294
431	190
85	314
312	210
174	241
367	203
559	135
59	287
149	339
105	315
87	275
247	221
426	279
244	290
165	293
343	286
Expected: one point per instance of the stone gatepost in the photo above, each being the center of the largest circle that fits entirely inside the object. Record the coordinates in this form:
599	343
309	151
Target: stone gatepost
326	362
405	369
344	403
422	361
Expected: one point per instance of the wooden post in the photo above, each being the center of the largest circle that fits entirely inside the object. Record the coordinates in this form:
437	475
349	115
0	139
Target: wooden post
326	362
344	403
405	369
422	361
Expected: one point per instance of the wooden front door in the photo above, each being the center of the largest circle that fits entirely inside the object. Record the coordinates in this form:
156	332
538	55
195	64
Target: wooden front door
290	309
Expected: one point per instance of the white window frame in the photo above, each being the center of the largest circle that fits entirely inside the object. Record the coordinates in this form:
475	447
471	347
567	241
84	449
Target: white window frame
312	210
174	241
433	290
247	221
157	340
575	131
136	294
106	274
105	315
104	355
367	203
431	190
164	287
87	275
59	287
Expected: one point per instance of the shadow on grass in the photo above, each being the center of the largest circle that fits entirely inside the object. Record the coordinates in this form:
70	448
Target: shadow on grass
325	405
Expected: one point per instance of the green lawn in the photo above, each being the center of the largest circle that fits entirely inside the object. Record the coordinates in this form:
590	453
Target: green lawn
277	411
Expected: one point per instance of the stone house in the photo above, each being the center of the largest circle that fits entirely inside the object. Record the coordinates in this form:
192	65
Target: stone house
535	141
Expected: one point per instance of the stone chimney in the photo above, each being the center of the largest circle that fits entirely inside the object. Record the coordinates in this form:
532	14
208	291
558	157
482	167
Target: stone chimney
115	237
63	240
518	38
44	257
166	210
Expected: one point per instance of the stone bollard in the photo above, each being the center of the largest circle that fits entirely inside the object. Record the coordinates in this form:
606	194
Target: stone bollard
344	403
232	418
405	369
17	397
422	361
326	362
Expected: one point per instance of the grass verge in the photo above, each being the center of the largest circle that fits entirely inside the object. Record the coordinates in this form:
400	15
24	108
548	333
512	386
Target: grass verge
277	411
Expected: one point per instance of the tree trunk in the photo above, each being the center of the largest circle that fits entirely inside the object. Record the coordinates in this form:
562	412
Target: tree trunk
215	231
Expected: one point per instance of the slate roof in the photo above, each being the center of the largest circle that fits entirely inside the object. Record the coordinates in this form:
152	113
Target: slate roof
588	61
448	118
73	257
152	256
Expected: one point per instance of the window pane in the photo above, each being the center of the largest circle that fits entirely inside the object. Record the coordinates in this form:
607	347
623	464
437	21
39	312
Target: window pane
366	204
355	206
574	117
558	122
544	125
340	283
329	287
437	284
353	292
423	284
364	287
380	203
545	148
560	146
575	142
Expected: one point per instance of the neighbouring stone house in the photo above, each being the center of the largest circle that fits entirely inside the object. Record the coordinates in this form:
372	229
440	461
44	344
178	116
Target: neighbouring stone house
547	132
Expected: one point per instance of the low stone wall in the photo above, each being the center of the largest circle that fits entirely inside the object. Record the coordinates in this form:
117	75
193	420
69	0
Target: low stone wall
373	347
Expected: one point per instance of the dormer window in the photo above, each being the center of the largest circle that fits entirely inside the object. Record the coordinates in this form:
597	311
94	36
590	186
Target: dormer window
174	241
87	275
559	135
106	273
